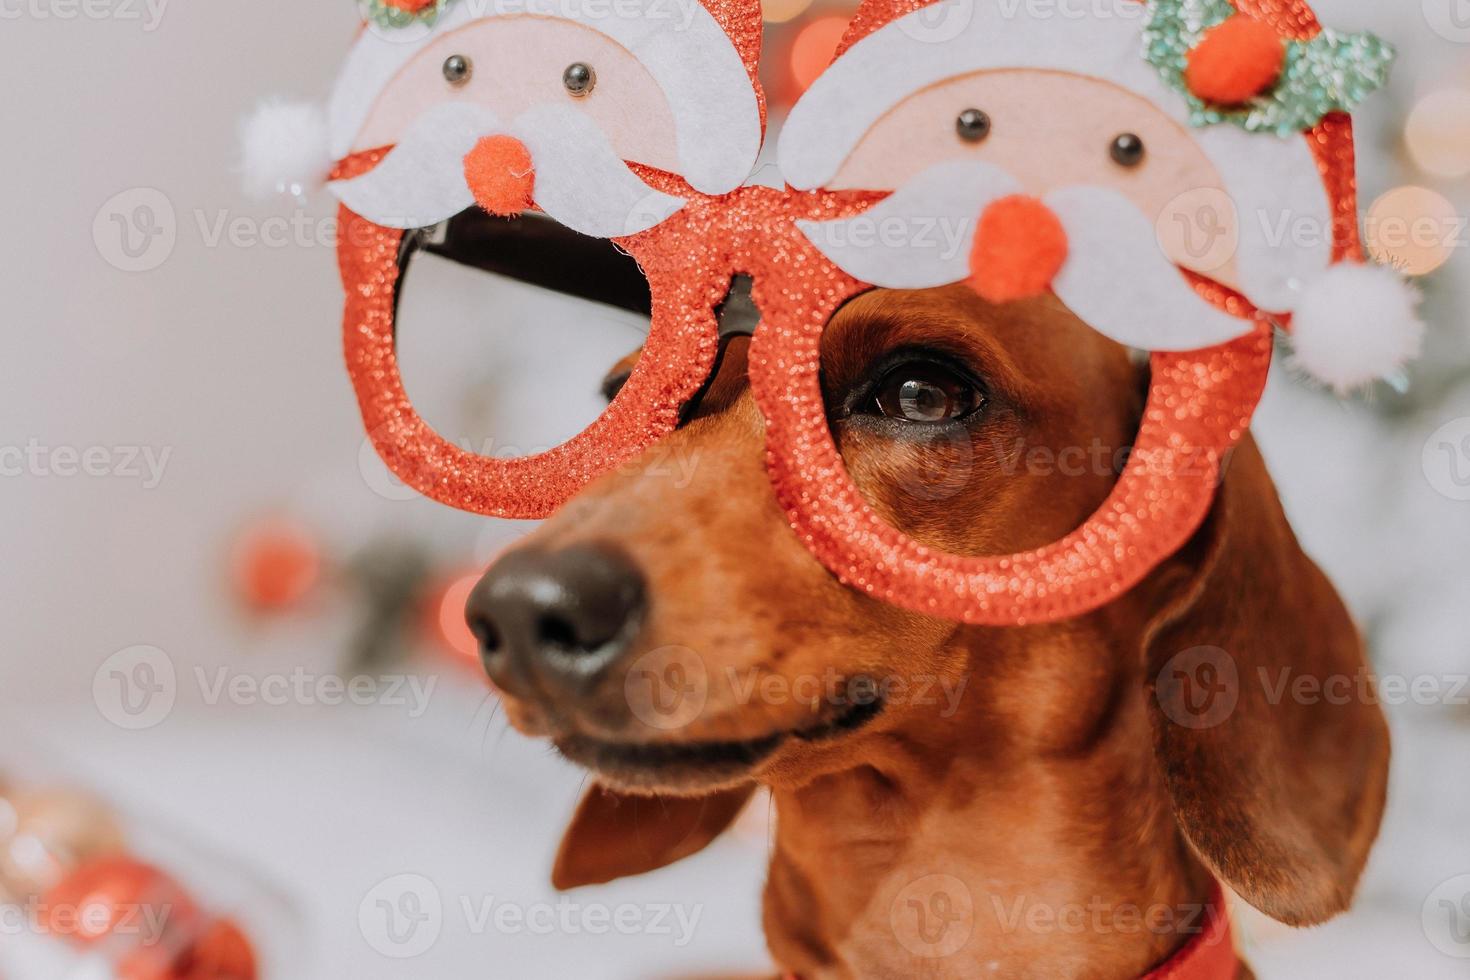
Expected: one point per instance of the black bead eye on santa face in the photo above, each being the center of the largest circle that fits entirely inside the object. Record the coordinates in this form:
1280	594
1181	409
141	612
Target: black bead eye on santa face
579	78
972	125
1127	150
457	70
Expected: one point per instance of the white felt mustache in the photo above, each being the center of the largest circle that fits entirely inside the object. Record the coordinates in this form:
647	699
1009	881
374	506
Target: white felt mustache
1116	277
580	180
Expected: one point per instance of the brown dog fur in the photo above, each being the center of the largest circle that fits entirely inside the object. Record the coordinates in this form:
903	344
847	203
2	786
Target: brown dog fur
1060	778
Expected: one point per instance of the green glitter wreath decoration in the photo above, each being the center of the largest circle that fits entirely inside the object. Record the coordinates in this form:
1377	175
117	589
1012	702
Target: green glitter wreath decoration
1333	72
389	17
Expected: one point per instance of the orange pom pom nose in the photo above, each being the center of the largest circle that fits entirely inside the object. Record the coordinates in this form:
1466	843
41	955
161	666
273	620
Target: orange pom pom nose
500	175
1236	61
1019	249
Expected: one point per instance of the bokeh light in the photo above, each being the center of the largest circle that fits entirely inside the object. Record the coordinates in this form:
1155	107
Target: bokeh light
1414	229
450	629
274	564
813	48
1438	133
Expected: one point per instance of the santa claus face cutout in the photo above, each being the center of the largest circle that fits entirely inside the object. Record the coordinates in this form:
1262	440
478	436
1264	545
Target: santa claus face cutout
607	119
1170	202
515	107
1064	162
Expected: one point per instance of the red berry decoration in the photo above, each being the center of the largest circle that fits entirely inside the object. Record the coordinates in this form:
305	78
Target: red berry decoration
222	953
1236	61
138	915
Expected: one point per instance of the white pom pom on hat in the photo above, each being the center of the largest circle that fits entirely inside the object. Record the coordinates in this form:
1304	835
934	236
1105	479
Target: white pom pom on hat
1355	324
284	148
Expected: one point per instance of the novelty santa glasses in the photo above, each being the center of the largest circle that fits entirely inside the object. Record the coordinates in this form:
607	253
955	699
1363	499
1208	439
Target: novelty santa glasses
1139	163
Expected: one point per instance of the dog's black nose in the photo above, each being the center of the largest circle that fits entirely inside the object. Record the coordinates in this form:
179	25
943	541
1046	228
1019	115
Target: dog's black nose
562	615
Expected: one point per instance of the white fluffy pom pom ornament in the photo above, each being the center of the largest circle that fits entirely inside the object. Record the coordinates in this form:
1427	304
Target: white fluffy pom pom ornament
1356	324
285	149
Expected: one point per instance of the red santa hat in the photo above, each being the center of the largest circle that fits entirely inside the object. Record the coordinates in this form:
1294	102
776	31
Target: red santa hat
1263	88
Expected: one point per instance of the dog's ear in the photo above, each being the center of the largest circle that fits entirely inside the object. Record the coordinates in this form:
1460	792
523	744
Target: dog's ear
613	835
1264	715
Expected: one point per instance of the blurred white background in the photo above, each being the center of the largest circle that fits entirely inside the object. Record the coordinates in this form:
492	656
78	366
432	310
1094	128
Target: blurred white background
209	388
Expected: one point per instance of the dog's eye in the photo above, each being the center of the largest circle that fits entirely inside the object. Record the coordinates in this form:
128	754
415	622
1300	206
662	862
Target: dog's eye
458	69
579	79
926	393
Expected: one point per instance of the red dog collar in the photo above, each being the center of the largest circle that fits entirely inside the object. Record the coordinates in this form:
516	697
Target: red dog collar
1210	954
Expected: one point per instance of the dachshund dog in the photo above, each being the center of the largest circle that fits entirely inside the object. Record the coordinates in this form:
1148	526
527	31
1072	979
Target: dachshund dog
675	638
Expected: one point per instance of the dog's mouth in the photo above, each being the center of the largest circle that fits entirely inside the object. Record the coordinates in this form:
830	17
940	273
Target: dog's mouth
699	764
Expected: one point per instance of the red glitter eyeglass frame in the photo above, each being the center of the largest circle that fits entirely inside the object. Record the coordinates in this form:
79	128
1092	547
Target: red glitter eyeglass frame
1199	405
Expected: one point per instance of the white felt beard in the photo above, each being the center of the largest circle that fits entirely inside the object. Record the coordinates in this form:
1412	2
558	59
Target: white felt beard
580	181
1115	278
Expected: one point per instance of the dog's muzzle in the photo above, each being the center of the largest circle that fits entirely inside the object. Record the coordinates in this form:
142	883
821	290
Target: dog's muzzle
556	621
